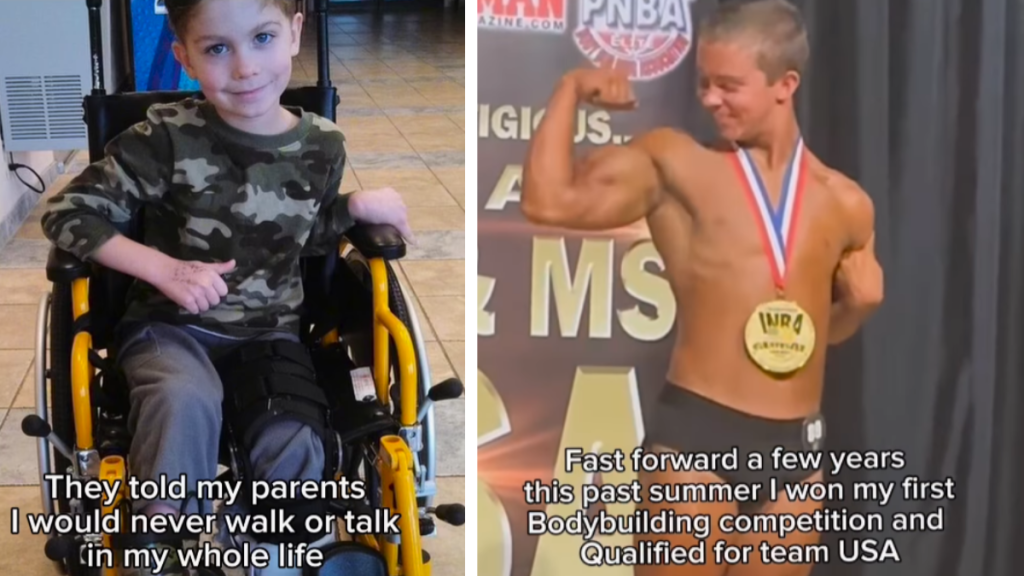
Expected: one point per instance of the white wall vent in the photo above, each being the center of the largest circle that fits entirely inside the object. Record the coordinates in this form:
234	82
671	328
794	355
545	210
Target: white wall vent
45	72
43	108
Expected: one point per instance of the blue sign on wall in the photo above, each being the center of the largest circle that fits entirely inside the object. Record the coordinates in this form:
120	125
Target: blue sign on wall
155	66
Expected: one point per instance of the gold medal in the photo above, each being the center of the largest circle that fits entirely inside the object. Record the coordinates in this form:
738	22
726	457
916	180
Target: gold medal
780	337
779	334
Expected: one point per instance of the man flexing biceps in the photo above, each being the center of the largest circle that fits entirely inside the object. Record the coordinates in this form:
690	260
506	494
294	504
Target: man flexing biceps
770	255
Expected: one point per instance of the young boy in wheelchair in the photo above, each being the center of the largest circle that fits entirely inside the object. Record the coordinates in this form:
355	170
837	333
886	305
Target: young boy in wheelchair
236	188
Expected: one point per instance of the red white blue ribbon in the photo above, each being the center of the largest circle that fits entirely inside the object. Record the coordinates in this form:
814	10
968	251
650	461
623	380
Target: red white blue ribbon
776	225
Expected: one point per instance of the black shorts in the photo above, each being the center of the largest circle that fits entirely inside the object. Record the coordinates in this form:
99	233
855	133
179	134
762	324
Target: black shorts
687	422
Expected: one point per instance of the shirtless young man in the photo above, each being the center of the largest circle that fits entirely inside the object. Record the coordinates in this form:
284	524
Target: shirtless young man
707	210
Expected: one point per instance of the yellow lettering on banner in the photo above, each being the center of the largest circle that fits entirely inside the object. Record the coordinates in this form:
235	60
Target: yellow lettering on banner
482	120
507	122
492	418
603	415
537	117
593	273
504	123
649	288
484	319
599	129
529	121
507	189
494	544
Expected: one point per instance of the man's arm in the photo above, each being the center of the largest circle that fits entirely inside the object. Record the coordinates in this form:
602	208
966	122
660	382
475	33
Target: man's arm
858	282
613	186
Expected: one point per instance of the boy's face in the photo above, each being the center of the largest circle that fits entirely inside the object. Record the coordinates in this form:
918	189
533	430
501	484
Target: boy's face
241	53
735	90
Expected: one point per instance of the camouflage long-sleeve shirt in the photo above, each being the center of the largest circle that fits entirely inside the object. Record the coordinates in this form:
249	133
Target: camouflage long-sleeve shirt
212	193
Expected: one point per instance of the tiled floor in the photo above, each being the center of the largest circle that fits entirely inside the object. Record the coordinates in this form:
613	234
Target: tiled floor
402	108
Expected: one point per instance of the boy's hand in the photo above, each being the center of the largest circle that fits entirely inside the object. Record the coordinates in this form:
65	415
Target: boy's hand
384	206
195	286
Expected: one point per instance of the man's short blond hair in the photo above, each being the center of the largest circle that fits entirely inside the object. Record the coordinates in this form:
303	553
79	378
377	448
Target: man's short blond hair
776	26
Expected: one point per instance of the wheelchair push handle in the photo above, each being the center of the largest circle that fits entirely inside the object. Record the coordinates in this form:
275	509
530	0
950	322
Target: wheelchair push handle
449	389
34	426
454	514
61	548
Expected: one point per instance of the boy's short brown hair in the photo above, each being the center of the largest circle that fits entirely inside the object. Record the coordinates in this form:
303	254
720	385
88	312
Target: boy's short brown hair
181	12
776	26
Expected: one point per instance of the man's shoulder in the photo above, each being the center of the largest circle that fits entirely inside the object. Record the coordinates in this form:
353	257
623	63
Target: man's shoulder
850	194
855	205
669	147
658	139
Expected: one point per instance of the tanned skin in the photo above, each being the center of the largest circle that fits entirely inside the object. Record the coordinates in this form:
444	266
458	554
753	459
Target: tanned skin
701	222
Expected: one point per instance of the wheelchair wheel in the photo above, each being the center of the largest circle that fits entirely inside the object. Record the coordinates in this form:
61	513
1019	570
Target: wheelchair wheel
61	413
62	418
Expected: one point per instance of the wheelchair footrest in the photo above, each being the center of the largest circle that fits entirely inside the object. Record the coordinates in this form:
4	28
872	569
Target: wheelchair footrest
349	559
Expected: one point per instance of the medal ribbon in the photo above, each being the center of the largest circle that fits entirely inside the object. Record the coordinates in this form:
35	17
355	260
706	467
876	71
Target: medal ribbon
776	226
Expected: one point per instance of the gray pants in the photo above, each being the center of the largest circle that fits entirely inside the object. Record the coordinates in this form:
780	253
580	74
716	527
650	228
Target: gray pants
176	413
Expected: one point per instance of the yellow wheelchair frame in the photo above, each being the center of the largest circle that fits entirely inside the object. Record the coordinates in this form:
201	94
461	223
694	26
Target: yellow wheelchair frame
395	460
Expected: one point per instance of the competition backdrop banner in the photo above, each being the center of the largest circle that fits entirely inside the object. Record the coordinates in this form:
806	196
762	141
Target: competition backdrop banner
575	329
152	39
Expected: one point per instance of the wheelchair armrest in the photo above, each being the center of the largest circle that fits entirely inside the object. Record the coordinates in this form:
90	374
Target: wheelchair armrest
377	241
65	267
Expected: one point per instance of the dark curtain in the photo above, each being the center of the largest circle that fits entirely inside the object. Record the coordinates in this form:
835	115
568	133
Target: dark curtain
922	102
